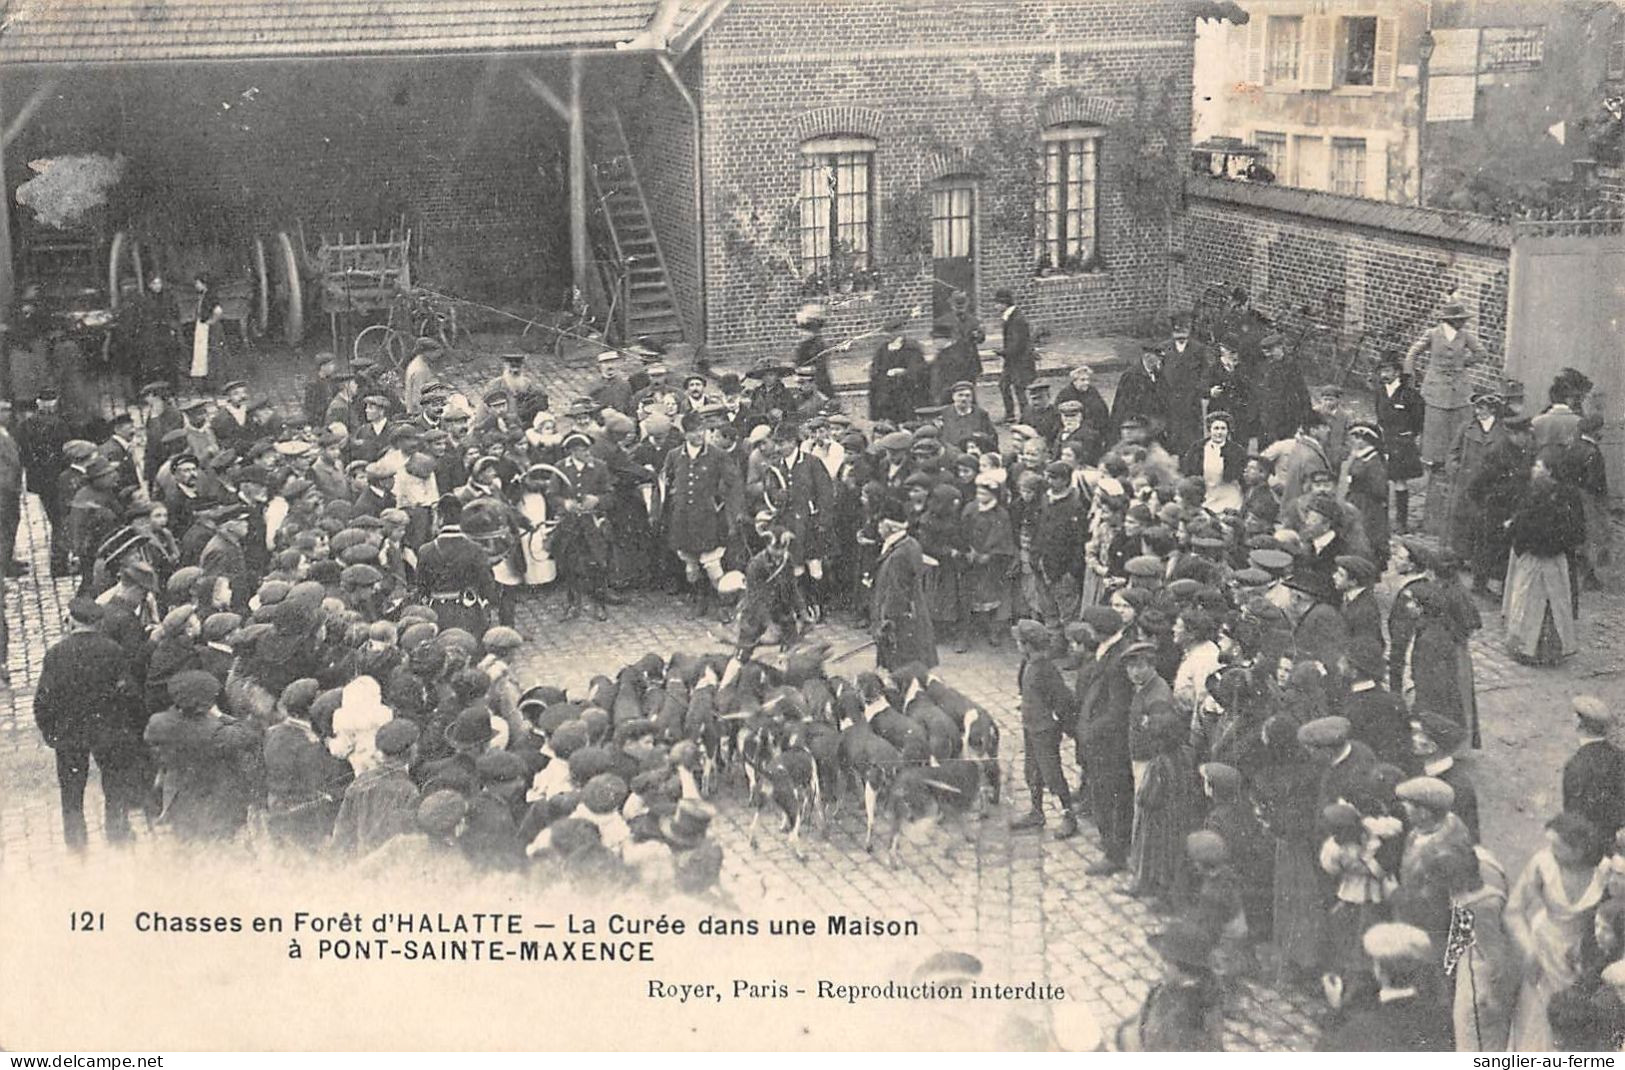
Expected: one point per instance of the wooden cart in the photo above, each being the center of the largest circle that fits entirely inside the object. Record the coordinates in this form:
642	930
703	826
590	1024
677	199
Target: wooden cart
361	275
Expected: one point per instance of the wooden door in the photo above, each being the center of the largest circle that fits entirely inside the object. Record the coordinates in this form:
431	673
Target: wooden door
953	247
1566	308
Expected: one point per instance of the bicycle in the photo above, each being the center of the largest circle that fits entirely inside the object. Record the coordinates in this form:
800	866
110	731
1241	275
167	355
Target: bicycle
413	315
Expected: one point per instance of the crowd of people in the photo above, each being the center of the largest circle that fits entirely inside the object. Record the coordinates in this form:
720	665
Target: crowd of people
304	623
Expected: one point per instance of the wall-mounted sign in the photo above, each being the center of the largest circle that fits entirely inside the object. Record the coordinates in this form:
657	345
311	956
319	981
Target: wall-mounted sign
1451	97
1504	49
1454	52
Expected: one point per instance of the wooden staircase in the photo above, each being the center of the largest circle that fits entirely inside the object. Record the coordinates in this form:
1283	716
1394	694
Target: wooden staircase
648	308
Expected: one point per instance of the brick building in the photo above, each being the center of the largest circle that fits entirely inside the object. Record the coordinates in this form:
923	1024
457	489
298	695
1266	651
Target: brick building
701	167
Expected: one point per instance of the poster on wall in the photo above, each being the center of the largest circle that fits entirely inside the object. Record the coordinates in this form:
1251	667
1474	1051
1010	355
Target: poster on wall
1454	52
1508	49
1451	97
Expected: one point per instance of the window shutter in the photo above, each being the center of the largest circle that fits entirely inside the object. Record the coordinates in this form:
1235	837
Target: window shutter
1255	49
1382	67
1317	52
1376	169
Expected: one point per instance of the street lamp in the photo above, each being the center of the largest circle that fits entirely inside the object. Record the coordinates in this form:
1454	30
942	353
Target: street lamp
1424	51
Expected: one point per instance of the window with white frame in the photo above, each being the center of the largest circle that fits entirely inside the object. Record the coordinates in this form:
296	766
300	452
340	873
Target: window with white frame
837	223
1067	223
1348	166
1283	49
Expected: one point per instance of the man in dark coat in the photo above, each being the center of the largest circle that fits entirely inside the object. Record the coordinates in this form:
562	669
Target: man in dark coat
1280	396
701	499
86	707
162	418
1377	717
1185	363
897	376
611	391
1105	695
1144	391
1497	491
93	515
41	435
963	419
224	556
1058	541
812	352
899	615
1020	358
1402	1017
1318	632
1096	414
118	450
1354	578
1594	776
232	428
1400	411
453	572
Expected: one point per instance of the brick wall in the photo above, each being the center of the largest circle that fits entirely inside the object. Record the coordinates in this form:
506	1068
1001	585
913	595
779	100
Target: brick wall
660	130
457	146
1374	273
930	84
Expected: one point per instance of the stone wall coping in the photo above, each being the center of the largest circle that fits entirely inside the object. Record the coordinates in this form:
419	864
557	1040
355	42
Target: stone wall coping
1456	228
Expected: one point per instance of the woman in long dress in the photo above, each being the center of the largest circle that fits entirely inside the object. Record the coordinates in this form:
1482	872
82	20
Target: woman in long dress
1442	662
1537	606
1285	789
1548	916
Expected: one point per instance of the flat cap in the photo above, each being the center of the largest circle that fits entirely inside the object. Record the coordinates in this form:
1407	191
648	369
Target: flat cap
1427	791
360	576
1593	711
1058	470
1144	565
1272	561
1324	732
1140	650
297	696
85	611
220	625
1220	776
193	689
897	440
1360	569
501	638
603	793
440	812
1031	632
1446	733
1103	619
497	766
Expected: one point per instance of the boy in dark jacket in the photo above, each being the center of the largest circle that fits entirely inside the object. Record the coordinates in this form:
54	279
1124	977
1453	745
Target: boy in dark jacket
581	548
1046	705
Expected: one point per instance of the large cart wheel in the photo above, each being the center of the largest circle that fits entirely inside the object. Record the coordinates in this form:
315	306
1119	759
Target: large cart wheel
290	289
382	343
261	321
123	269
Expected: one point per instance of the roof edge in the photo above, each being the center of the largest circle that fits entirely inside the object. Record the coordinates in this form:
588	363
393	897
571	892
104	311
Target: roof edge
690	35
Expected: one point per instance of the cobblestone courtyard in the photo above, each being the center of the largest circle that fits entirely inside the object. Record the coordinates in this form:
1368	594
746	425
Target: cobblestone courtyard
1022	902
